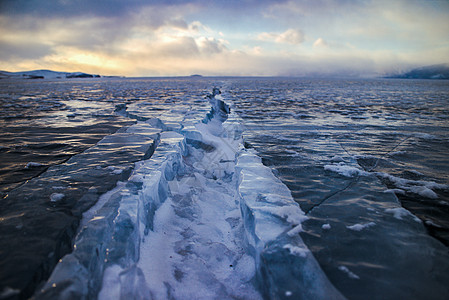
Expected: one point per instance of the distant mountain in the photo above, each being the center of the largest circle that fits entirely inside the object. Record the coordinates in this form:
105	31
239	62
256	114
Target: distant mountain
440	71
44	74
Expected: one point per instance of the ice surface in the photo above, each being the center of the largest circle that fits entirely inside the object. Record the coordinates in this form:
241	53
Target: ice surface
380	233
338	151
108	222
420	187
202	218
269	214
333	163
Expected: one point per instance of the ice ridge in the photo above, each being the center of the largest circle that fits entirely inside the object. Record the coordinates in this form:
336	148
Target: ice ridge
203	218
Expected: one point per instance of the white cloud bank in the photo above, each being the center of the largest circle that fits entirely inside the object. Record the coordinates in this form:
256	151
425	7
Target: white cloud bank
290	36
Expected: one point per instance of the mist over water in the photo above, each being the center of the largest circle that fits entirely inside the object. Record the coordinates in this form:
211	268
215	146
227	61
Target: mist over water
352	152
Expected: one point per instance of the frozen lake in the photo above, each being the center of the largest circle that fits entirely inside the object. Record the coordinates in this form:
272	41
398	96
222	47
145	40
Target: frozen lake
174	201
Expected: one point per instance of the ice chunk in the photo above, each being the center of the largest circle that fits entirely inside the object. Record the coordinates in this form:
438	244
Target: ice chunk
33	165
326	226
345	170
55	197
268	210
295	250
395	191
114	170
420	187
423	191
337	158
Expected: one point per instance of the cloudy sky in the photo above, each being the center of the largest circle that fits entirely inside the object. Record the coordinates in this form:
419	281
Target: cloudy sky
249	37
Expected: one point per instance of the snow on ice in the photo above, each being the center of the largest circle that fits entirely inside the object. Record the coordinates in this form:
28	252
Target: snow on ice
202	218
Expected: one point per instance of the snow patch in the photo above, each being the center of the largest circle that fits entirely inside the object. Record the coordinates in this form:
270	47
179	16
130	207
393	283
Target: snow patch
360	227
326	226
345	170
420	187
395	191
55	197
400	212
33	165
425	136
295	250
348	272
114	170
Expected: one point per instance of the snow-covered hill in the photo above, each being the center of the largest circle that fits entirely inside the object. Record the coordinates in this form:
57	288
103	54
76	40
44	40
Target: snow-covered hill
44	74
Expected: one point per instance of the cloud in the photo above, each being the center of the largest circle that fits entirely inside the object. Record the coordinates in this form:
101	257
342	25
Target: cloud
209	45
290	36
174	37
68	8
120	8
320	43
197	26
23	50
76	8
183	47
404	23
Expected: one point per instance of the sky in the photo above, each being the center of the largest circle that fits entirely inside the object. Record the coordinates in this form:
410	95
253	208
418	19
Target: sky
231	38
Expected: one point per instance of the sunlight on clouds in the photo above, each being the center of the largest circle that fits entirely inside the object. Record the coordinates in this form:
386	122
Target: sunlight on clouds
290	36
256	50
74	59
210	45
90	59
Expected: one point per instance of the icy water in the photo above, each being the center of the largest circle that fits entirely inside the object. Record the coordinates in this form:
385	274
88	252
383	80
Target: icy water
366	160
46	122
397	128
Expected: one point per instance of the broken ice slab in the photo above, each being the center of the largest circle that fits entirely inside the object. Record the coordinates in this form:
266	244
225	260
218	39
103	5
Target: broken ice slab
370	241
111	231
285	267
34	240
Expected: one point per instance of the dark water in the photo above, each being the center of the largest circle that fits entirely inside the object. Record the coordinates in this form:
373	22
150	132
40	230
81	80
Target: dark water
309	131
